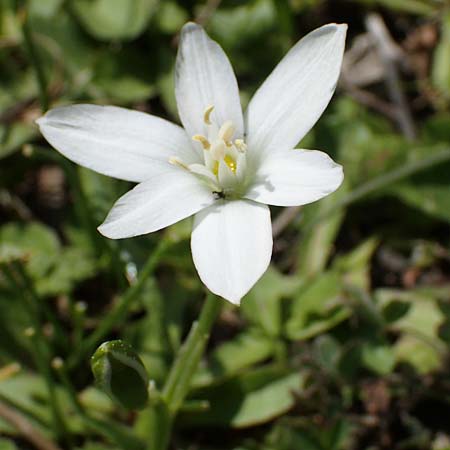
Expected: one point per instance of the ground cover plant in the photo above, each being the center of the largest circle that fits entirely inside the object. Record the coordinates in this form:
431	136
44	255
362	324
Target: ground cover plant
344	341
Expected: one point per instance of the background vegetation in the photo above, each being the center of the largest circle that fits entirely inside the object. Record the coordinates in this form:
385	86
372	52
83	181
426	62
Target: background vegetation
343	344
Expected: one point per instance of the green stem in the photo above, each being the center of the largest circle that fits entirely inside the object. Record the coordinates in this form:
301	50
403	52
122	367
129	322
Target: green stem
160	415
35	61
381	182
185	365
118	312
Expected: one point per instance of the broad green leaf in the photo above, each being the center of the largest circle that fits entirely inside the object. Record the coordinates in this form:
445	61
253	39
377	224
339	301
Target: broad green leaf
262	305
170	16
310	436
327	351
419	343
380	358
355	265
432	198
7	444
44	8
248	400
14	136
318	242
36	242
317	308
123	77
74	265
114	19
231	357
28	393
54	269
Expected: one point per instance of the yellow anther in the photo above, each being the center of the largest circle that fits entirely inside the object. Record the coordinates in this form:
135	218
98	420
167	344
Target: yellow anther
200	138
215	168
240	145
177	162
231	163
226	131
207	114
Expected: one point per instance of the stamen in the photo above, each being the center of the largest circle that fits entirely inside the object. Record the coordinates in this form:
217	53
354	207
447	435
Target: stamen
226	131
207	114
216	168
231	163
218	150
240	145
174	160
200	138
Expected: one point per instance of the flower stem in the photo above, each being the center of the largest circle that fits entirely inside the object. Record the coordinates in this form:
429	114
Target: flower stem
183	369
161	414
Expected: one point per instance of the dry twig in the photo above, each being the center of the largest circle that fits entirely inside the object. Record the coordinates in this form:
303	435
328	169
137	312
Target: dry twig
390	56
25	428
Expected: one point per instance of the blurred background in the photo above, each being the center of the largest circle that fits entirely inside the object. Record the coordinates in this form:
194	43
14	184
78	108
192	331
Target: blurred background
343	344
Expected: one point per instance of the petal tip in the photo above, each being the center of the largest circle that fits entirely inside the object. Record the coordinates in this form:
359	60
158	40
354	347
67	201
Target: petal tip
236	301
108	232
190	27
102	231
40	121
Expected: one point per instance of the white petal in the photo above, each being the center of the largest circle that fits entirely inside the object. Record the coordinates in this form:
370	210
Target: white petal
295	177
204	77
297	92
168	197
231	246
115	141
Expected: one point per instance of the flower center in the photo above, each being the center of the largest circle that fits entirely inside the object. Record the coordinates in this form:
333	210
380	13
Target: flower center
224	159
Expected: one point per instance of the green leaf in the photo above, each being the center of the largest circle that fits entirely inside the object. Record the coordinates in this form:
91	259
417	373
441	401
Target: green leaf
355	265
7	444
246	349
432	198
119	371
262	305
378	358
317	308
14	136
114	19
28	394
44	8
170	17
37	243
317	244
74	265
395	310
440	74
327	351
419	344
250	399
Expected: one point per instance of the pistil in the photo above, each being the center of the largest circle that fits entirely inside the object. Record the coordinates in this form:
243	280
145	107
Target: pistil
221	156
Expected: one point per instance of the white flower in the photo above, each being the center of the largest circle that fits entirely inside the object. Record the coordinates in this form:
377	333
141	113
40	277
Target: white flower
223	167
